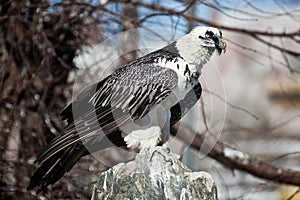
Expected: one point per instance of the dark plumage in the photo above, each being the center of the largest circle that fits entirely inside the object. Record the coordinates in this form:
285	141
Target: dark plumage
123	97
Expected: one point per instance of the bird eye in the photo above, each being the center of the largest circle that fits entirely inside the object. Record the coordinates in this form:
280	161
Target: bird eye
209	34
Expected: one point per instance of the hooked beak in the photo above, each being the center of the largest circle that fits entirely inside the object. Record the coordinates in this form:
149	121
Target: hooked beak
221	46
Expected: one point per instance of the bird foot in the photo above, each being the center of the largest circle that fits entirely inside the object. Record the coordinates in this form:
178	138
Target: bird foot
164	154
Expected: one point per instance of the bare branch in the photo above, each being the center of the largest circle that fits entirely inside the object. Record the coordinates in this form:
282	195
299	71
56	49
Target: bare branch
197	19
231	105
238	160
294	194
292	53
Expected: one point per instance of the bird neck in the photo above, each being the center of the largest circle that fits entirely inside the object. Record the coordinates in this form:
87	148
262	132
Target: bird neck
193	52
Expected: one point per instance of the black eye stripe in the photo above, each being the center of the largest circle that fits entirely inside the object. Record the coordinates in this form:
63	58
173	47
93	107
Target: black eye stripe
210	33
212	36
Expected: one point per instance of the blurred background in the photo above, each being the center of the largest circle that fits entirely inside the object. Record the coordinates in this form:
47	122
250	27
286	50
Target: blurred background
49	50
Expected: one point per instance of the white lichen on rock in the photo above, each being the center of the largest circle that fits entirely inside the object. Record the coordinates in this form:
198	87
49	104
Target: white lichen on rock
155	174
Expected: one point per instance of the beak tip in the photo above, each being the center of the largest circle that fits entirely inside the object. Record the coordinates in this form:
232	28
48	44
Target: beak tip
223	46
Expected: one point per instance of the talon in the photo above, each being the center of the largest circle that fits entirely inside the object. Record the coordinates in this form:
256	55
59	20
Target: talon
152	155
168	150
165	159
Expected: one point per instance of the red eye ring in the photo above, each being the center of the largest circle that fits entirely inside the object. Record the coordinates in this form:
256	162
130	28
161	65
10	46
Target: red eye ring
207	35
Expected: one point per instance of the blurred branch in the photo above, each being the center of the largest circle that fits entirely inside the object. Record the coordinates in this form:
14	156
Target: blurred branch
232	105
37	46
38	41
237	159
253	33
187	16
293	53
209	22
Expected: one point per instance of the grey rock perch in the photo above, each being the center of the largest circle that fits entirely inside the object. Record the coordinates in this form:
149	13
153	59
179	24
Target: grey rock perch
154	175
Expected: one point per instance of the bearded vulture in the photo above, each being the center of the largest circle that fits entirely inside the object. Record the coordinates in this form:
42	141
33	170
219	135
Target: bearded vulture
133	107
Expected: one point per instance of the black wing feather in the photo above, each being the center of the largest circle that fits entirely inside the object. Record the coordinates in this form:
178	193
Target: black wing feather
93	109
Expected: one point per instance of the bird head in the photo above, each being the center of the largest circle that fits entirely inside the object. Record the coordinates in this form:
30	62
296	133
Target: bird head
197	46
209	37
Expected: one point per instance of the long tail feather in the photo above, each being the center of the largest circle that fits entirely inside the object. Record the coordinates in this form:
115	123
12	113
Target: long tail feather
56	166
55	163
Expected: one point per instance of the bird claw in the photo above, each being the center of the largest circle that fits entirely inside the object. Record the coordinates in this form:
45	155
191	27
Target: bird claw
163	155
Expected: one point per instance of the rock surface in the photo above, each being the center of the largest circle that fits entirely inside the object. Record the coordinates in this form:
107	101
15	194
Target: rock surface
154	175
